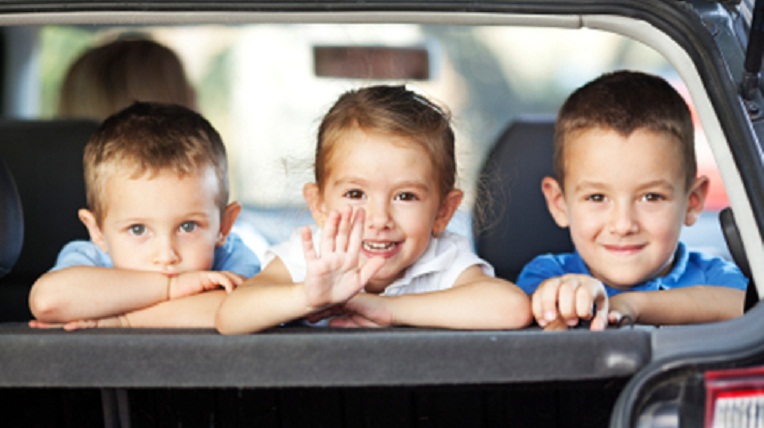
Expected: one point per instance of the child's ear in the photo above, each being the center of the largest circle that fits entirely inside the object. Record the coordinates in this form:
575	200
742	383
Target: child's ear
96	235
227	220
447	209
312	195
696	200
555	201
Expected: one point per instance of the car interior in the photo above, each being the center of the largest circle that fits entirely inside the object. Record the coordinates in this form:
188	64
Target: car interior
264	81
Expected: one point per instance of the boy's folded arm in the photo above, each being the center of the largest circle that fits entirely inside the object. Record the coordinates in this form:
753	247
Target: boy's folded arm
195	311
476	301
89	292
687	305
263	301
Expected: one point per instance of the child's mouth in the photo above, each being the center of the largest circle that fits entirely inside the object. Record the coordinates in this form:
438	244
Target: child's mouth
380	248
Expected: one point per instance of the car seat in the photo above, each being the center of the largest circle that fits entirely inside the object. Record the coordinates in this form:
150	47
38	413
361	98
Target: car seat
11	221
45	159
511	224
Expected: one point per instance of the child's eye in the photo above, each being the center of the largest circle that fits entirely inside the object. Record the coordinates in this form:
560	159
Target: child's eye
353	194
597	197
188	226
406	196
653	197
137	229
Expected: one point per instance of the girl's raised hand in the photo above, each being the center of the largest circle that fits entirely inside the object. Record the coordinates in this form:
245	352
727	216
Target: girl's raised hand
333	276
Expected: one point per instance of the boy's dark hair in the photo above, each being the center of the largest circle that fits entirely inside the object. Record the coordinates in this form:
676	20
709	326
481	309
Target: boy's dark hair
624	101
150	138
392	110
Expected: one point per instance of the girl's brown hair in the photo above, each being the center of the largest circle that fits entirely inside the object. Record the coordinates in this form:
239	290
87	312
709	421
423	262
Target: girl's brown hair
392	110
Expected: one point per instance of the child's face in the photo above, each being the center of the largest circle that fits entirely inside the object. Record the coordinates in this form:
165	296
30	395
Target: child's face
164	223
395	182
625	200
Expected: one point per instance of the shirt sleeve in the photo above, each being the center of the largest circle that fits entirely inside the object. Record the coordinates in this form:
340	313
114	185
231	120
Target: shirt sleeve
81	253
235	256
723	273
538	270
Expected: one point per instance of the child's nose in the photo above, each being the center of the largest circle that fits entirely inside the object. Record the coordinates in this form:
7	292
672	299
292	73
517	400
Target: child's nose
624	221
166	252
378	215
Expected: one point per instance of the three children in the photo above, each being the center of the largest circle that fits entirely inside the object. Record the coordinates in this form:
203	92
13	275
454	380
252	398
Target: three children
380	255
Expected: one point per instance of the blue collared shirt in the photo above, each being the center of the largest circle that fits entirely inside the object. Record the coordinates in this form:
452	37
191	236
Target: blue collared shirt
233	256
690	268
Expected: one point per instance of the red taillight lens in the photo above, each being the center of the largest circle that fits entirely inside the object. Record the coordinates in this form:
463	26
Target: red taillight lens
735	398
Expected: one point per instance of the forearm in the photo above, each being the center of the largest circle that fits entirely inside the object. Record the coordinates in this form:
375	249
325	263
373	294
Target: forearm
195	311
470	306
688	305
254	307
87	292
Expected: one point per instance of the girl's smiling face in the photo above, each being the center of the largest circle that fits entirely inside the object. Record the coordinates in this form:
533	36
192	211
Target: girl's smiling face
394	181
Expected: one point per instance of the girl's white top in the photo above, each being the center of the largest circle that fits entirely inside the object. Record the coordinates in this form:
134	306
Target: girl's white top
446	257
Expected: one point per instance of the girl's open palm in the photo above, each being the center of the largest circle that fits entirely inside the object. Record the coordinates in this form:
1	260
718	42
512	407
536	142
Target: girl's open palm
333	275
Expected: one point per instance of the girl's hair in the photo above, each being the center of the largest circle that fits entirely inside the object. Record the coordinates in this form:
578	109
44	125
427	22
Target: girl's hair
624	101
108	78
152	138
391	110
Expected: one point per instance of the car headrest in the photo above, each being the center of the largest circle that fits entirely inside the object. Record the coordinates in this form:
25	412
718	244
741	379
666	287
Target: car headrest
45	158
511	224
11	221
737	251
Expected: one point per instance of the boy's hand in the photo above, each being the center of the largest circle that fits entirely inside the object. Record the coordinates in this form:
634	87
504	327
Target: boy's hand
364	310
571	298
190	283
334	276
621	310
109	322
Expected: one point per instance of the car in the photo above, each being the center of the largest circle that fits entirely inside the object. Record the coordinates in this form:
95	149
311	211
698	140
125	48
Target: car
266	71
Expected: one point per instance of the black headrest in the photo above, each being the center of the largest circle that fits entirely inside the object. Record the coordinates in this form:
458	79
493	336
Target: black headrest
45	158
11	221
511	222
735	246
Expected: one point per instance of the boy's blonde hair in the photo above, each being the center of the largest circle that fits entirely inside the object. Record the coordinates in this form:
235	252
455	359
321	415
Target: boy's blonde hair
624	101
147	138
391	110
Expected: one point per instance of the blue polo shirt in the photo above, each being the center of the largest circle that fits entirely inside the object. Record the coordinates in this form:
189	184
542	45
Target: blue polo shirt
690	268
233	256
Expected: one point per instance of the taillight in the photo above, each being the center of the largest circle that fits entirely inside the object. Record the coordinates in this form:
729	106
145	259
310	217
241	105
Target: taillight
735	398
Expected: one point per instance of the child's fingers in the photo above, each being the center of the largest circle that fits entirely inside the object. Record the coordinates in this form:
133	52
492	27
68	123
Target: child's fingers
82	324
343	230
356	232
329	233
566	300
545	301
308	250
371	267
43	324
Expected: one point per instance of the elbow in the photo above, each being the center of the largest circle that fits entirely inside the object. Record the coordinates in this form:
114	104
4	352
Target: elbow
517	313
43	304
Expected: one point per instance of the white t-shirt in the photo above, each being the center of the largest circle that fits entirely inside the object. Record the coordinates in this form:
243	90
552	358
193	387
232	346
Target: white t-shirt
446	257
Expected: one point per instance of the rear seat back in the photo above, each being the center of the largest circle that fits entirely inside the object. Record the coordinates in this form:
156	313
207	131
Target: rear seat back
45	158
11	221
511	223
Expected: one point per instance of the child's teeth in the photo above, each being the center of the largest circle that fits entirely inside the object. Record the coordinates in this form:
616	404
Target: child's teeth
377	246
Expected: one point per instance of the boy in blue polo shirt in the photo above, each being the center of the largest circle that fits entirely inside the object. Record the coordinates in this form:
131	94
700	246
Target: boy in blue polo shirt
625	184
